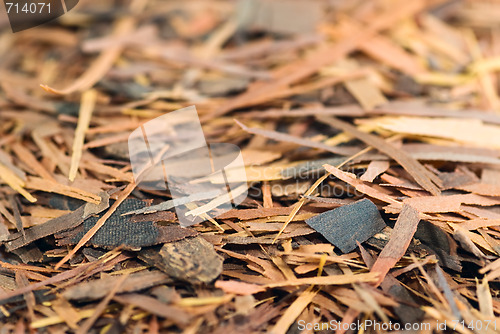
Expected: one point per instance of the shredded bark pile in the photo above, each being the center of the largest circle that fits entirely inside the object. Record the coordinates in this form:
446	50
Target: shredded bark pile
370	134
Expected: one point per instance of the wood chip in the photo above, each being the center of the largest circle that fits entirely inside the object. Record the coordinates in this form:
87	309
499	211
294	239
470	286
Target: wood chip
192	259
86	109
404	229
422	176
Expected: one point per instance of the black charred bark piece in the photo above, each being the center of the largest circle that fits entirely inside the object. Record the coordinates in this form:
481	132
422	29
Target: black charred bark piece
124	231
347	224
